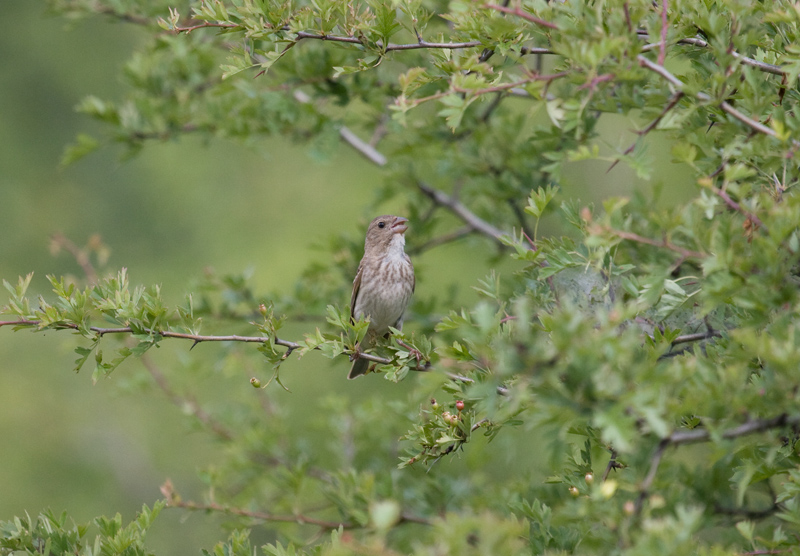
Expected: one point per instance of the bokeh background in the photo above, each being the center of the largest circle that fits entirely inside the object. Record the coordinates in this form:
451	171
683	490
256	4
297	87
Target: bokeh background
176	209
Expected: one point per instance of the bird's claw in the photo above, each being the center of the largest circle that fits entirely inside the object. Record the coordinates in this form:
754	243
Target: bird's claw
415	352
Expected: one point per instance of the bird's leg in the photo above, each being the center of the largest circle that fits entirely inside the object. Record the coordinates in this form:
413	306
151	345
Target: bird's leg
415	352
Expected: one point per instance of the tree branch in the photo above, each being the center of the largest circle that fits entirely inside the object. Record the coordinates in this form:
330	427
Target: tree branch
474	222
60	241
704	97
185	401
196	338
303	35
694	436
662	47
666	244
739	208
440	198
174	500
441	240
693	41
524	15
676	97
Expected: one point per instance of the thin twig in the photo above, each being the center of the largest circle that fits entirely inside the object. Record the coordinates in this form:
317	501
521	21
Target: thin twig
612	464
666	244
524	15
81	256
655	461
676	97
739	208
184	401
307	35
455	206
502	390
441	240
686	338
724	105
175	501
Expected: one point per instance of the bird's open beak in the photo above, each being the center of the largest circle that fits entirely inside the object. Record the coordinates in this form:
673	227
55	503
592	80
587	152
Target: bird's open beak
400	225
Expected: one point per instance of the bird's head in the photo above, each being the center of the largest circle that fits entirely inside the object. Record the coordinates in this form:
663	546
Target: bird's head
383	229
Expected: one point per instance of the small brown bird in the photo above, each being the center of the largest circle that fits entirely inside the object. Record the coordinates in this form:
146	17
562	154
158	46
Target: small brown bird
383	284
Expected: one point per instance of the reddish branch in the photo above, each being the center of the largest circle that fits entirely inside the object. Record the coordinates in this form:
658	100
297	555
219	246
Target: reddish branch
739	208
524	15
662	49
81	256
174	500
665	243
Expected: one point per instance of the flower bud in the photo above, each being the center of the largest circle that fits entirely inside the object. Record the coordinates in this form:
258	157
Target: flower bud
629	507
255	382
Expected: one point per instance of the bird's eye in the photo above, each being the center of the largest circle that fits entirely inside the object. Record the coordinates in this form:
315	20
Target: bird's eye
381	224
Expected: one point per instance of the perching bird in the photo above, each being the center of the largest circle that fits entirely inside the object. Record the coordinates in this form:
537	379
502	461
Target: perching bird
383	284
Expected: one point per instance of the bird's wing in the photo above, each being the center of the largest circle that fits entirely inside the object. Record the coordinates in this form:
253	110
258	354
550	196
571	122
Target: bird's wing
356	286
413	276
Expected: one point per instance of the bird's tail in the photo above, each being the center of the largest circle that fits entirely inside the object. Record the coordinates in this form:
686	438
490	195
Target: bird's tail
360	367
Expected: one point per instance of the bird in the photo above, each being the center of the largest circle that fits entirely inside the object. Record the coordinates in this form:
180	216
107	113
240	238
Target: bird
383	284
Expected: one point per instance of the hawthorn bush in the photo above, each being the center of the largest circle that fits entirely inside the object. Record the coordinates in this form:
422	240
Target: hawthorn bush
646	350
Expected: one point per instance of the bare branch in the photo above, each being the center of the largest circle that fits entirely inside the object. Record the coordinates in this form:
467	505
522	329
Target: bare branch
474	222
440	198
750	427
686	338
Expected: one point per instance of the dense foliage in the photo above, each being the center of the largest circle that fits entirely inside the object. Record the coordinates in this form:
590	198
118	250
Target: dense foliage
649	325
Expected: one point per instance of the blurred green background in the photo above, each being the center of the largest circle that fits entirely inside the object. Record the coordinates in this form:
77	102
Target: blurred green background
174	210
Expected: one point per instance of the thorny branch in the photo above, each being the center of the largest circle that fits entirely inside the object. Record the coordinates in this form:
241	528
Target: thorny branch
694	436
174	500
676	97
196	338
725	106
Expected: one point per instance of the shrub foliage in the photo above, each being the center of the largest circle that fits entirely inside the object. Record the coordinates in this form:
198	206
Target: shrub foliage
648	346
